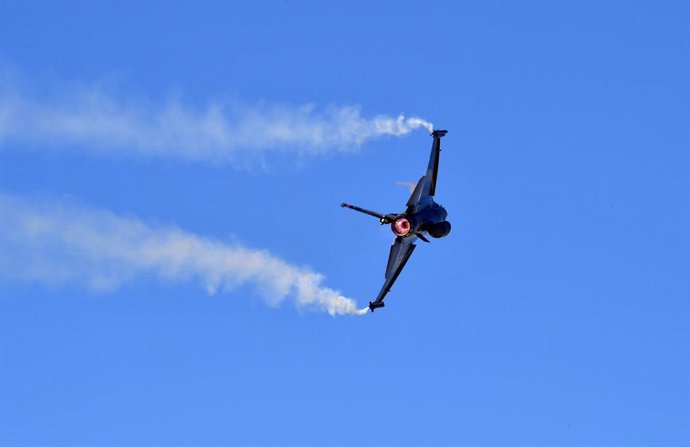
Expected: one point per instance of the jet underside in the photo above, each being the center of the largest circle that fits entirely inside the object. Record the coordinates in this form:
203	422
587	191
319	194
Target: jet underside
423	217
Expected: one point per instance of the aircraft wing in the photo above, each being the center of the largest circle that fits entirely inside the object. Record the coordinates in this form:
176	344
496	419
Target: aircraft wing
401	250
426	187
432	169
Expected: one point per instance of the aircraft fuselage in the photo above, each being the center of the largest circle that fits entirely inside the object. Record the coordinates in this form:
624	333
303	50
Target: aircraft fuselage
430	213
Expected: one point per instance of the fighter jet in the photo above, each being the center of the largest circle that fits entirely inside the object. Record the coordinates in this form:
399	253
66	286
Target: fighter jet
422	216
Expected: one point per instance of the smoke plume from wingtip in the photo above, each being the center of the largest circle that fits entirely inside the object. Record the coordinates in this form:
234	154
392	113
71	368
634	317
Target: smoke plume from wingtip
362	311
100	250
418	122
92	119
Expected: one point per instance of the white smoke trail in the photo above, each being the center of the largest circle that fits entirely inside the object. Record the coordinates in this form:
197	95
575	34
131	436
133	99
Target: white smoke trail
70	244
90	119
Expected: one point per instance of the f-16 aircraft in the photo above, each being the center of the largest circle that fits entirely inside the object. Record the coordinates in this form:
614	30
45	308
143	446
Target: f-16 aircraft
422	216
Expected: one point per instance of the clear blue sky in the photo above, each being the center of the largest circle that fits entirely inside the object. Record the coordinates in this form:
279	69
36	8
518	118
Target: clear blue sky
556	313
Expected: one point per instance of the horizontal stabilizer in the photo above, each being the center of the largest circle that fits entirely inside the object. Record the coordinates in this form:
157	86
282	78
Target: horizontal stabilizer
383	218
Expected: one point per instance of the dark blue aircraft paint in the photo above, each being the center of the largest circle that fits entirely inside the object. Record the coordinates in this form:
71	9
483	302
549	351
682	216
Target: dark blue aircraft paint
422	216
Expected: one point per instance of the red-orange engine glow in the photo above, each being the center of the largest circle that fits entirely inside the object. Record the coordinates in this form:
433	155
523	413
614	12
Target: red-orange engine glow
401	226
